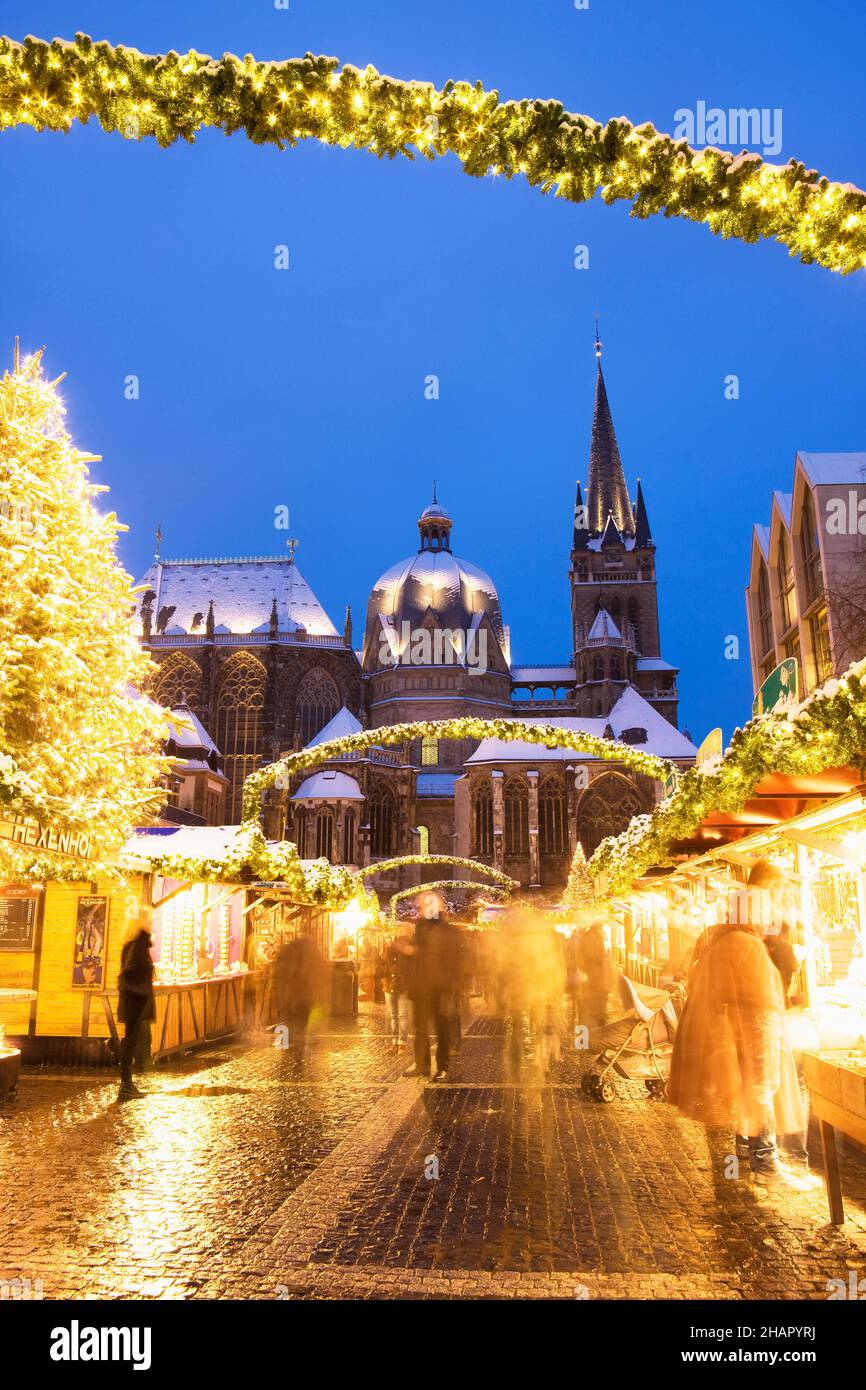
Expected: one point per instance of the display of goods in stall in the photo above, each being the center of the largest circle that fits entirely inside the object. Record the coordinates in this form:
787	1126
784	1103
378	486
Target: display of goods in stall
839	1077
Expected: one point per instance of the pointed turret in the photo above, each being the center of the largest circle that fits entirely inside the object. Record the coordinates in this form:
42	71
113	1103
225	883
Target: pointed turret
581	527
607	493
612	534
642	533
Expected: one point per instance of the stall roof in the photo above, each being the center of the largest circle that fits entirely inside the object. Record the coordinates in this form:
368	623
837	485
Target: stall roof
776	798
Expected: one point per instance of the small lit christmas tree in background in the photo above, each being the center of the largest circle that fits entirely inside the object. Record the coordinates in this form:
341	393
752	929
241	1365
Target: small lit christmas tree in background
78	747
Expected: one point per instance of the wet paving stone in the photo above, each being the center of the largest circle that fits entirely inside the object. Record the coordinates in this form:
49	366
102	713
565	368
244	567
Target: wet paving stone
246	1173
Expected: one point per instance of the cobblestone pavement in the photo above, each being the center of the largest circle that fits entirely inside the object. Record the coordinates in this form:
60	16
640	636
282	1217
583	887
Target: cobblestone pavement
246	1174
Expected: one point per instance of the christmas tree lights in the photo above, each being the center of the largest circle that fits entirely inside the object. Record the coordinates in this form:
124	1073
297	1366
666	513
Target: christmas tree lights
79	748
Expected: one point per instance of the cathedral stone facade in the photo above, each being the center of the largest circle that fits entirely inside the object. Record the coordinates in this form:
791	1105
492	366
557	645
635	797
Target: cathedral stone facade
246	645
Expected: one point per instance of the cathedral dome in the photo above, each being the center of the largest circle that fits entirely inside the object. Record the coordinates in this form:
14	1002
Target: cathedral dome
432	584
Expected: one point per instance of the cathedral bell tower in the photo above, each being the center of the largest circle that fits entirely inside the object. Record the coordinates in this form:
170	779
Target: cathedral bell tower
614	601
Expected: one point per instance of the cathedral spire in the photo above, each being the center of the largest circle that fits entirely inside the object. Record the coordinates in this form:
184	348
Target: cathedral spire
607	493
581	531
642	533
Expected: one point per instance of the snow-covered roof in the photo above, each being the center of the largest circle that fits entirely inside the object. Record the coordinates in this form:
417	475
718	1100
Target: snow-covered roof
342	724
543	675
653	663
198	841
604	627
329	785
784	500
631	711
243	592
833	469
187	730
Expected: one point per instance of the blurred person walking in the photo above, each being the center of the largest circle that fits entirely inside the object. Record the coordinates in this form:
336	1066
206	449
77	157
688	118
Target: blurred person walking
435	985
135	1007
300	976
396	980
732	1066
595	967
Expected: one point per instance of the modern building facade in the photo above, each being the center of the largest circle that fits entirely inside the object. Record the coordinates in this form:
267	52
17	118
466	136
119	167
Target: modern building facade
806	596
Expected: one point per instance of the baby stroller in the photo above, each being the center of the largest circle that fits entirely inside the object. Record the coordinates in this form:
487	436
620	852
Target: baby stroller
644	1034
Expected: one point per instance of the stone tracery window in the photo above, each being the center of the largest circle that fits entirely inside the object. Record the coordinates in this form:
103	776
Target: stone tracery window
607	807
552	833
516	806
482	819
382	822
316	703
240	707
178	682
325	833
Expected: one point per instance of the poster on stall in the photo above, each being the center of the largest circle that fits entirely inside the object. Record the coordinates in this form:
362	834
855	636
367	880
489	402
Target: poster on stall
88	966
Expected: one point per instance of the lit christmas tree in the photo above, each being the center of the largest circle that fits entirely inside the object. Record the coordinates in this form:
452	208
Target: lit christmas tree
579	891
78	746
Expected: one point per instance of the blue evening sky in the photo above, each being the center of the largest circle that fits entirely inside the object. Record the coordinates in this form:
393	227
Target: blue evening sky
306	388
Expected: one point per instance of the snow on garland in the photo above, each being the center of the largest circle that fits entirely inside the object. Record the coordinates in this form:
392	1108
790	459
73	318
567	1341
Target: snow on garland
444	885
827	729
249	857
282	772
172	96
383	866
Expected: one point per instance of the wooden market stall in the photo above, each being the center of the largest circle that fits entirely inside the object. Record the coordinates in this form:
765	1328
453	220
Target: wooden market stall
813	828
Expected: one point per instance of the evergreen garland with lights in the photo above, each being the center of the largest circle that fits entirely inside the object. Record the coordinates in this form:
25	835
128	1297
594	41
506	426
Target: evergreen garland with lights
48	85
384	866
826	730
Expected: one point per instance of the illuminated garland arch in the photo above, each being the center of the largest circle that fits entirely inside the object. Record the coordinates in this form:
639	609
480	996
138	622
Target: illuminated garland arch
172	96
282	772
386	865
442	885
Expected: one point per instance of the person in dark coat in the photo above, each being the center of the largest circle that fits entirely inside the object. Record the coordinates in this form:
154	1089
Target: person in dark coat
595	965
135	1009
782	955
436	985
300	986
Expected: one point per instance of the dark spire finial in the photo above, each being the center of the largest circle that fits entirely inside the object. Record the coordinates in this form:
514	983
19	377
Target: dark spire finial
597	340
607	491
158	534
435	498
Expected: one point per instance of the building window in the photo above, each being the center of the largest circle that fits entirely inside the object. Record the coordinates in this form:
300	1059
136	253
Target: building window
634	619
819	634
607	807
551	818
482	820
429	752
810	551
381	823
325	833
787	597
598	668
316	703
240	705
349	838
516	799
178	683
763	615
301	832
423	839
792	653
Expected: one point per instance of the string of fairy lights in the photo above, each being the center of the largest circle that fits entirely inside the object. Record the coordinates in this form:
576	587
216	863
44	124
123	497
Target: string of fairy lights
172	96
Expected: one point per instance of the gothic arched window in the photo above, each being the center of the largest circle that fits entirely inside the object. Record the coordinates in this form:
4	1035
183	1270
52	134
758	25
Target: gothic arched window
316	703
482	820
634	619
349	838
240	705
382	821
551	817
607	807
516	801
325	833
301	832
429	752
598	668
178	682
616	610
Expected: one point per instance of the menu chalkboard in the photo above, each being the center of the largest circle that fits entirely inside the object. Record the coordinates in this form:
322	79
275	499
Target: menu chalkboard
17	919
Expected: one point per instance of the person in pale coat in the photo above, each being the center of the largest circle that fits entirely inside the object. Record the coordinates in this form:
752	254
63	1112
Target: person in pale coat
732	1066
